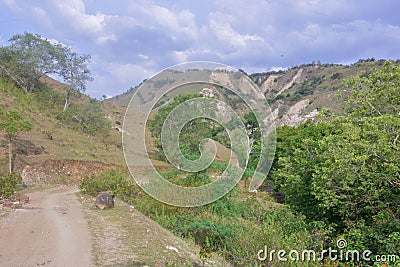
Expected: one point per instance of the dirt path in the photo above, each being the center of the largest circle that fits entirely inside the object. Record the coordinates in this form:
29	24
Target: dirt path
49	231
58	228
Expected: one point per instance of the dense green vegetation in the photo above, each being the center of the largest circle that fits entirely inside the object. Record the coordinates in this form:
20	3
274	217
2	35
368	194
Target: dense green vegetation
340	176
192	133
236	226
344	171
9	184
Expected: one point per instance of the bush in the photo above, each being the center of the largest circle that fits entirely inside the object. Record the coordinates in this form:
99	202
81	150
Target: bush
48	98
207	234
88	118
235	226
8	184
112	181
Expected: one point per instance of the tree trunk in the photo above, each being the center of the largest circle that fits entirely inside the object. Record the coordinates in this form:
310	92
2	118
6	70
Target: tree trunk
15	79
67	100
10	165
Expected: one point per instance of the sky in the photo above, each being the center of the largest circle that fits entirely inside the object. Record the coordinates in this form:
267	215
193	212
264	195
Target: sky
132	40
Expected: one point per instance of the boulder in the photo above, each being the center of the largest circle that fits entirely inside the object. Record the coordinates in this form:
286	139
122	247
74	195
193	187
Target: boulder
104	200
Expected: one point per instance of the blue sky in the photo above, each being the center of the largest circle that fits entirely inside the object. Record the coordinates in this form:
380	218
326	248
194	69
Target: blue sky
132	40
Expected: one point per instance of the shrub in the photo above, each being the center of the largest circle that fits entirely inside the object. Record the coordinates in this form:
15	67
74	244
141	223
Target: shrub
88	118
207	234
112	180
8	184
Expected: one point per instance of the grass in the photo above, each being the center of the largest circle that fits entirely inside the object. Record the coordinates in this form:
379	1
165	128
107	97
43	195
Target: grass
234	227
61	141
136	239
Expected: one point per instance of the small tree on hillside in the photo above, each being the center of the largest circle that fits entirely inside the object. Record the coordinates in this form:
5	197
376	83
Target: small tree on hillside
12	123
74	70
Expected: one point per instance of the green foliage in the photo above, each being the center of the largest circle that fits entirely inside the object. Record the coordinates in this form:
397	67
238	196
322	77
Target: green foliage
193	179
35	51
344	171
336	75
48	99
191	134
341	179
8	184
235	226
198	129
30	56
112	180
237	229
73	68
88	118
375	94
254	134
23	75
210	235
13	123
309	86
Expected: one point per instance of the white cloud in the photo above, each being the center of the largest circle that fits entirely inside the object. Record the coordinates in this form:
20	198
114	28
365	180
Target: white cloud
69	15
103	39
12	4
39	11
132	40
277	68
143	56
176	22
228	36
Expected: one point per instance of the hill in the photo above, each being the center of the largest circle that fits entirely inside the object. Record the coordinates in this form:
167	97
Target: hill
294	95
316	167
297	93
81	141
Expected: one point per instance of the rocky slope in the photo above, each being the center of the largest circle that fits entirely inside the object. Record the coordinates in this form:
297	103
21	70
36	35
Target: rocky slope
298	93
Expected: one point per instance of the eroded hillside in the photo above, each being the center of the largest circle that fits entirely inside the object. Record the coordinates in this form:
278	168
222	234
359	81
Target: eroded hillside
298	93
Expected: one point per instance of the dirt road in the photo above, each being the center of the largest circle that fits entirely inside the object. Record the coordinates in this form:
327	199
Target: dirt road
57	228
49	231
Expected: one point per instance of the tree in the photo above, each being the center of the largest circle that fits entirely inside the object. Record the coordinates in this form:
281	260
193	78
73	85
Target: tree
12	123
375	94
345	170
74	70
11	69
30	57
36	52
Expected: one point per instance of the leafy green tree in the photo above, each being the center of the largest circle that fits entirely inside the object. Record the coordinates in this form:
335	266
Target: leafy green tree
10	68
30	57
375	94
345	170
12	123
295	164
37	52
